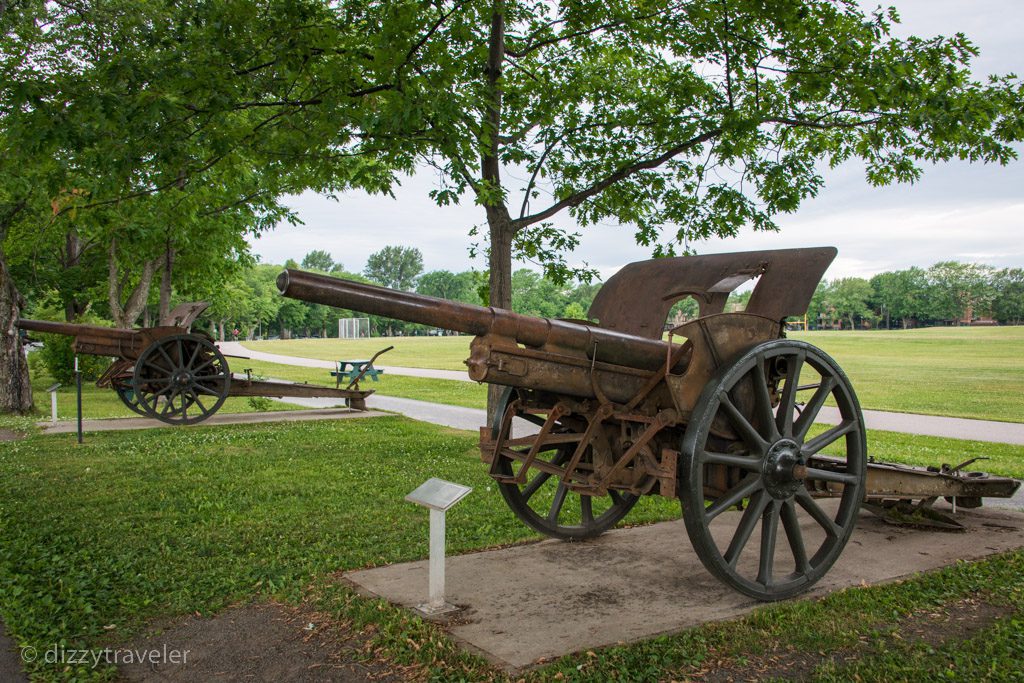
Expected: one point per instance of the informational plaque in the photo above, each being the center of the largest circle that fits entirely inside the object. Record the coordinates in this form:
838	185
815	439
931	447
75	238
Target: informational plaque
438	494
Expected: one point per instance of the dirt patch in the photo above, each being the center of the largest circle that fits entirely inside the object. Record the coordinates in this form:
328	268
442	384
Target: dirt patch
10	435
267	642
961	619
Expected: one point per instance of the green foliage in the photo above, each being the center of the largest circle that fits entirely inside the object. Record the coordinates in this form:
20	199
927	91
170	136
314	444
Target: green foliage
395	267
58	358
902	294
1008	306
448	285
848	298
320	260
960	289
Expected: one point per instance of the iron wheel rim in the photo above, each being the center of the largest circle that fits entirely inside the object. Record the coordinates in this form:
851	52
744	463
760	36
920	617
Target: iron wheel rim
777	466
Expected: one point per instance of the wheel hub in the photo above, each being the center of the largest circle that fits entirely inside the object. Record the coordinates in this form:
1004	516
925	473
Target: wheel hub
182	378
784	469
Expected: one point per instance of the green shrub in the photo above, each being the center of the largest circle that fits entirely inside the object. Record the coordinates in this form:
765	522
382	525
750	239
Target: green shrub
59	360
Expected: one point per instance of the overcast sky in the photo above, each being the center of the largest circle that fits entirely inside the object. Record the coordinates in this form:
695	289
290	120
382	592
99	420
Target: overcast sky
957	211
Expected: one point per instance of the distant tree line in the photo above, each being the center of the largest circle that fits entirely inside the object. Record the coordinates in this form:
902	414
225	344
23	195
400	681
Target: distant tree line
948	293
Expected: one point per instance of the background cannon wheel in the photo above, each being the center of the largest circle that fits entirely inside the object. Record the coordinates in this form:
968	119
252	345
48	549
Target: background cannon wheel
771	470
543	502
181	379
126	393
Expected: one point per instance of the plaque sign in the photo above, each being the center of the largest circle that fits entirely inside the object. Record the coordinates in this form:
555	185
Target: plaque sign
437	495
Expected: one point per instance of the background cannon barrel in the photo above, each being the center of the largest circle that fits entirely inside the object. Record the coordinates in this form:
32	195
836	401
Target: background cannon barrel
92	340
603	345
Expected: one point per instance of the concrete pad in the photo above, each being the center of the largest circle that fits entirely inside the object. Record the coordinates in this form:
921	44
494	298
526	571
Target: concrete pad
544	600
132	423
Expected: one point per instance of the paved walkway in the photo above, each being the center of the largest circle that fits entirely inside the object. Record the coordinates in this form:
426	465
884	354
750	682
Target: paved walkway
909	423
236	349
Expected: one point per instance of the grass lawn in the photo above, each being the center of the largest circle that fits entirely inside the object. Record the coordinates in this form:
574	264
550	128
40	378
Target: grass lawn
442	353
974	372
96	540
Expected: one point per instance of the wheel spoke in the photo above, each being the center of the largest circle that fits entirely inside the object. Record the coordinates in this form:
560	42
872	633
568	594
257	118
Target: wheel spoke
751	516
587	510
557	503
813	407
826	438
791	523
163	352
195	398
745	489
746	462
535	484
746	430
206	390
787	404
769	530
195	354
820	516
836	477
763	401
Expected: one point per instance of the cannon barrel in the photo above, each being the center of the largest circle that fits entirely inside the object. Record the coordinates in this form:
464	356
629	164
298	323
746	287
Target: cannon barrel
92	340
573	338
74	329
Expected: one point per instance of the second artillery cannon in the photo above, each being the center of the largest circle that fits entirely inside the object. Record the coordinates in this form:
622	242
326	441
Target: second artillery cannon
174	373
721	415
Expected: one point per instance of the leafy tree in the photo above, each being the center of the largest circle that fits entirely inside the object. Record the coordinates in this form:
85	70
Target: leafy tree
448	285
320	260
848	298
1008	306
902	294
700	117
536	295
395	267
959	290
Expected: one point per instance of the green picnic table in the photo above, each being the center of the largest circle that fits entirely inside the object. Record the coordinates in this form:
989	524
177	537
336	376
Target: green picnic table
354	370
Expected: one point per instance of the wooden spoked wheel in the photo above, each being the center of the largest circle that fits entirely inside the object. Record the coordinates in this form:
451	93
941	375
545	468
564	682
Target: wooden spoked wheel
543	501
751	446
181	379
126	393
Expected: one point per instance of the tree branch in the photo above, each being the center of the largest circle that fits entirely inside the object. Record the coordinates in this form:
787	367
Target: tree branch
606	182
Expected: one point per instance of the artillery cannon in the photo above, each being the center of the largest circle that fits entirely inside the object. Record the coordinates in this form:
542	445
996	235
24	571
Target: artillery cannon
720	415
172	373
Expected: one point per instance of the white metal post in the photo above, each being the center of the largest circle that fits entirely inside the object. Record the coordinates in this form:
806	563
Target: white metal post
436	559
53	407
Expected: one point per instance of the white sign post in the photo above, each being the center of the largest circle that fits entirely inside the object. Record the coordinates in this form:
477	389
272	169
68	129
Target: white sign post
53	402
438	495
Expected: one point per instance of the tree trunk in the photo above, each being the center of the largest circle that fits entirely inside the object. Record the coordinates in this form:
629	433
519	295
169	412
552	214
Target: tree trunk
73	308
165	286
500	295
220	330
15	387
125	315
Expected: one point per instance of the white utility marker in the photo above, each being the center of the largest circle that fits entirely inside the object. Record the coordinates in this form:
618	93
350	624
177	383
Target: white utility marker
438	495
53	402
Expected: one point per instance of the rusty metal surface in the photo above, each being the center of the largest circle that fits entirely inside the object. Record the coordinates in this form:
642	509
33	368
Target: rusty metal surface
637	299
569	338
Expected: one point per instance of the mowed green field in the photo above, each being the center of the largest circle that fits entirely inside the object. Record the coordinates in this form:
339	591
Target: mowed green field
442	353
973	372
